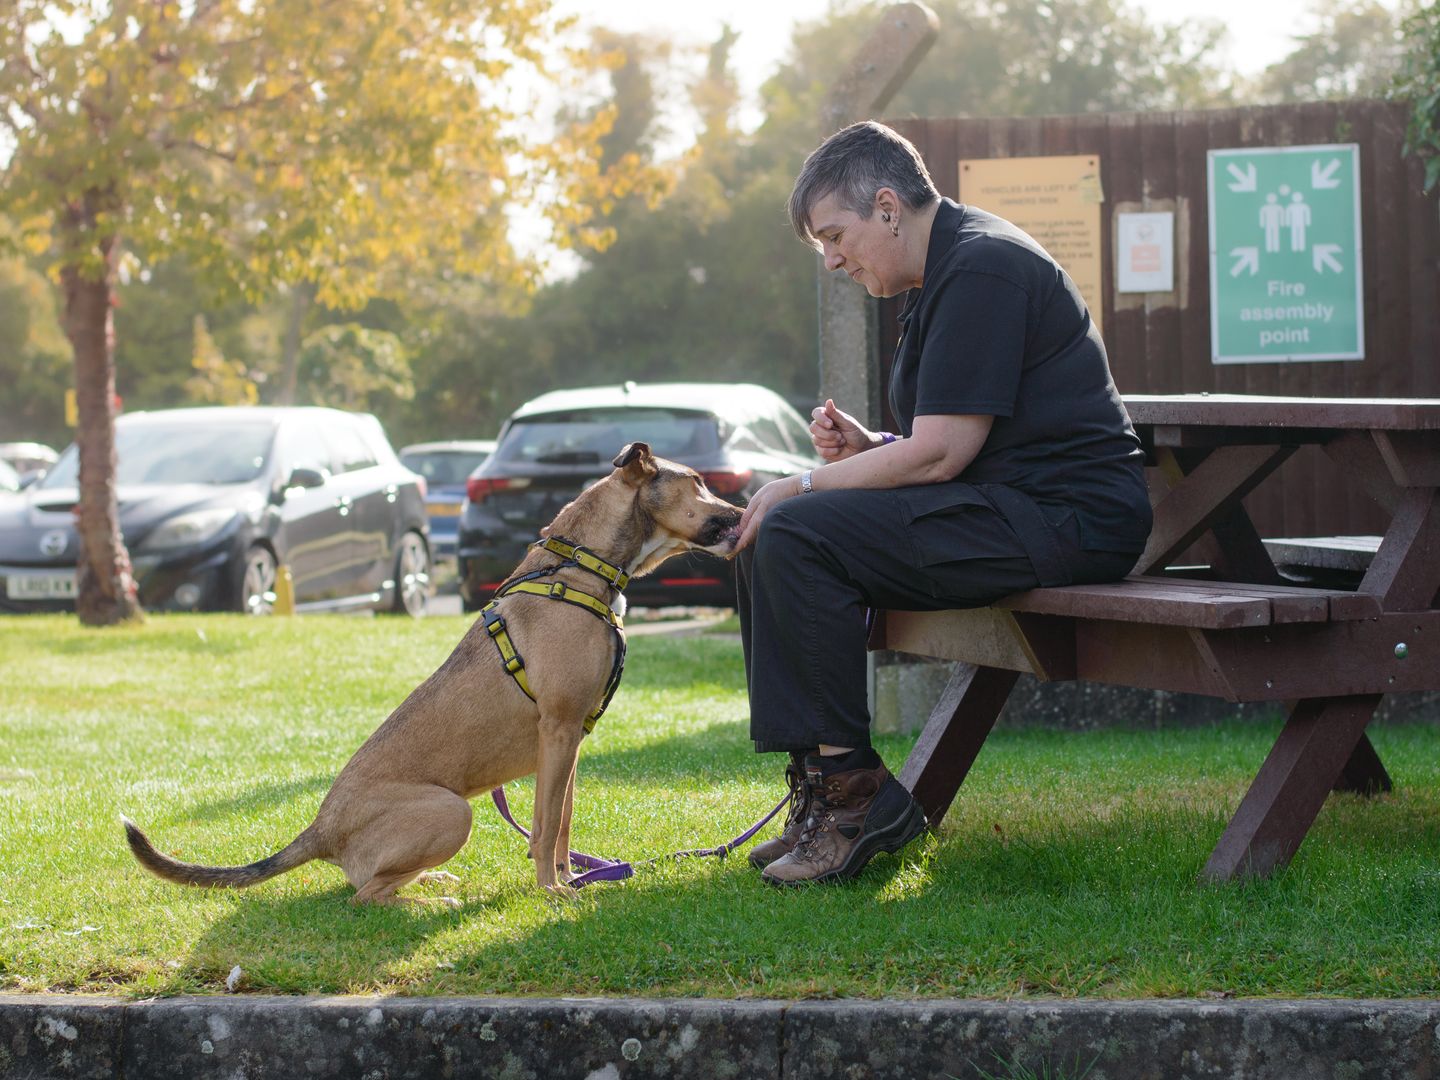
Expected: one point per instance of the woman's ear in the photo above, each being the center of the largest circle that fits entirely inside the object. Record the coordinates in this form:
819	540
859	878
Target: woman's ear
887	202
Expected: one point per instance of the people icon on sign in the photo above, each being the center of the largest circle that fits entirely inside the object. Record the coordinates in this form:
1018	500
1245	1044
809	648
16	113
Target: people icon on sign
1297	217
1272	217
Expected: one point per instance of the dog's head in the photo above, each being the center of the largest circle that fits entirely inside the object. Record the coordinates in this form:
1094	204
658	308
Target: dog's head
679	513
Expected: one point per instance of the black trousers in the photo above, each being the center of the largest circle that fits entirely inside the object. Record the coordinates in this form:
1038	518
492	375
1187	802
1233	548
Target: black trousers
820	560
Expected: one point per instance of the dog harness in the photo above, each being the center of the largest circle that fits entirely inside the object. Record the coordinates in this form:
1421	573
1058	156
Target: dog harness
585	559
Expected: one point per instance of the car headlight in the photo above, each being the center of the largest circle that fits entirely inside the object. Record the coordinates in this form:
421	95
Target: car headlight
190	530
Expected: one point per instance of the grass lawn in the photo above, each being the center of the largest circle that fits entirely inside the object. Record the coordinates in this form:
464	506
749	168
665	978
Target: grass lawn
1067	866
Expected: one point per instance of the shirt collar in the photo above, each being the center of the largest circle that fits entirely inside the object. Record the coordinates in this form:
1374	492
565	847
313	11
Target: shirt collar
942	238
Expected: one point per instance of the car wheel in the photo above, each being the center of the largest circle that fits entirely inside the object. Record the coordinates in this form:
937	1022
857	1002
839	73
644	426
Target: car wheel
412	577
258	574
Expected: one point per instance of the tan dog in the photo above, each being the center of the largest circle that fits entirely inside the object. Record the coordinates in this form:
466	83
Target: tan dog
401	805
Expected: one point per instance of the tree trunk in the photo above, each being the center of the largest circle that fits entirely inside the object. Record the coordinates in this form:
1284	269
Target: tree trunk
106	592
302	295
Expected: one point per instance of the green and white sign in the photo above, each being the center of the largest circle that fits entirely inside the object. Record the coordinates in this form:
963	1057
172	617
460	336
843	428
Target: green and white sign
1285	254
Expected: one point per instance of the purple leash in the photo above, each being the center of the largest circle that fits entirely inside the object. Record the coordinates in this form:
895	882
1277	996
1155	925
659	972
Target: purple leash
597	869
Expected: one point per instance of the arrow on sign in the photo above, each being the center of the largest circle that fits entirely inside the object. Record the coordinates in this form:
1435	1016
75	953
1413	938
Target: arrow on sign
1323	255
1244	181
1247	256
1324	178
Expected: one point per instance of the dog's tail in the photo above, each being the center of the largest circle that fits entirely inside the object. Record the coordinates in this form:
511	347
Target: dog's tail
299	851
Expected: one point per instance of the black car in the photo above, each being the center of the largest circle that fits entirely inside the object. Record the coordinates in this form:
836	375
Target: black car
737	436
213	501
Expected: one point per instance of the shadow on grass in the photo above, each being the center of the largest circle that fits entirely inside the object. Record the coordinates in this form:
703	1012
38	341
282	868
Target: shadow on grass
712	928
260	797
318	942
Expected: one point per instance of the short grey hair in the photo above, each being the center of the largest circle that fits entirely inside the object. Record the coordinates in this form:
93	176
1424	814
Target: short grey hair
853	164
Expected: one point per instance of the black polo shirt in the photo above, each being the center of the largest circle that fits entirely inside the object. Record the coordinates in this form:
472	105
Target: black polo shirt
999	329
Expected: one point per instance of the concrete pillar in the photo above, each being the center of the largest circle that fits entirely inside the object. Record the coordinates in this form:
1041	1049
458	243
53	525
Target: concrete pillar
848	340
849	368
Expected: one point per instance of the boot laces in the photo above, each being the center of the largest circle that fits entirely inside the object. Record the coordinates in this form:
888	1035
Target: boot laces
799	796
821	815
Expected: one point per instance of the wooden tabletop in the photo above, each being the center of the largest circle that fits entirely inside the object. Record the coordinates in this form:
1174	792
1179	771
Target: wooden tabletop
1260	411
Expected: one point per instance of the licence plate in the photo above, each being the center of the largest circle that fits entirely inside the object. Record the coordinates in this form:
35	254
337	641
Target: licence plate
444	509
20	585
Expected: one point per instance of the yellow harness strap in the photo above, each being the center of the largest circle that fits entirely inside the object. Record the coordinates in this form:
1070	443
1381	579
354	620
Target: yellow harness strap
555	590
588	559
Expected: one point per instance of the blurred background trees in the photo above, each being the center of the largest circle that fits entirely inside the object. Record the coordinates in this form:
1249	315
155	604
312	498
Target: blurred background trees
704	283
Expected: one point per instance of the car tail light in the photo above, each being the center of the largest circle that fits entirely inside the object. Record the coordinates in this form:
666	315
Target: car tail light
727	481
480	488
423	486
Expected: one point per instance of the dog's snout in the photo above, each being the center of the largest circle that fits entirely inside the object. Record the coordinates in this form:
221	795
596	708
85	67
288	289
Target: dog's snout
721	529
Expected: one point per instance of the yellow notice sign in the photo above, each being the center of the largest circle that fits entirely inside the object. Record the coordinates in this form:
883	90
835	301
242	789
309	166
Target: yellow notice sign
1054	199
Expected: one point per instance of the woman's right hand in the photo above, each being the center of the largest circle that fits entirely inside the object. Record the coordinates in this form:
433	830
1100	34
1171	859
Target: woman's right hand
838	435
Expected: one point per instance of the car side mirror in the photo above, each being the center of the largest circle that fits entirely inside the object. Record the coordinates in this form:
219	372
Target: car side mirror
304	477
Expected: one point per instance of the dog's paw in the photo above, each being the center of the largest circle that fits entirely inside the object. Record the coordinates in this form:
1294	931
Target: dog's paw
561	892
436	875
450	902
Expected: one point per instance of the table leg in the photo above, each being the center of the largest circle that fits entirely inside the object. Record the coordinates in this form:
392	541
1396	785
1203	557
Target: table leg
952	737
1311	754
1364	773
1204	491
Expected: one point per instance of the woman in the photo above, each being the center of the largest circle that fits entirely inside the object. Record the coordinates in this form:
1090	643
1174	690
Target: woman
1015	466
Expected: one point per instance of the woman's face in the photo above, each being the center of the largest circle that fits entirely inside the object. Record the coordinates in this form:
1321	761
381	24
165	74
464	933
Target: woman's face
865	248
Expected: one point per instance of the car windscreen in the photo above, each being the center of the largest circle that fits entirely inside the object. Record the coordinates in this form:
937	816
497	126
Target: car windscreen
443	467
225	452
595	436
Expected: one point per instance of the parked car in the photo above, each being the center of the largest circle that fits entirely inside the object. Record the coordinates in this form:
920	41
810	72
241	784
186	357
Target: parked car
445	466
737	436
27	458
213	500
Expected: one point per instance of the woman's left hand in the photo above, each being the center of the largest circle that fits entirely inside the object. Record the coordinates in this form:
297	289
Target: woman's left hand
773	493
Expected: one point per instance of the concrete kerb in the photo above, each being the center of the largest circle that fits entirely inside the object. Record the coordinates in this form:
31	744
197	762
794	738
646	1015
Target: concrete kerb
283	1038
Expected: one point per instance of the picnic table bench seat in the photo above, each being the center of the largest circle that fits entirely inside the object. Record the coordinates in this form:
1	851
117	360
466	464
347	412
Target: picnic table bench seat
1190	602
1351	554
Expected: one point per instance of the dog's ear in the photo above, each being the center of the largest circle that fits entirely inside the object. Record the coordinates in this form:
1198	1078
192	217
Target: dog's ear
637	461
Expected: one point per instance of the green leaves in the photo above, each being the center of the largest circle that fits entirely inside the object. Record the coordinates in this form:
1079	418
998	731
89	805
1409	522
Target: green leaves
270	142
1420	82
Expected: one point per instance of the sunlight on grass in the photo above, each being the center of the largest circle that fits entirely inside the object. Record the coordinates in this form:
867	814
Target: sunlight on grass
1067	865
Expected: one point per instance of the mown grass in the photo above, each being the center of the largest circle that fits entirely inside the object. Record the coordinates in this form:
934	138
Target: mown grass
1067	867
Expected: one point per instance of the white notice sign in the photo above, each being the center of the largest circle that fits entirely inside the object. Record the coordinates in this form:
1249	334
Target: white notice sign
1145	250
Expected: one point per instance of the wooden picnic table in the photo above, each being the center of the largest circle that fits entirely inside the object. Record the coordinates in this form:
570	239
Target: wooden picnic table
1244	634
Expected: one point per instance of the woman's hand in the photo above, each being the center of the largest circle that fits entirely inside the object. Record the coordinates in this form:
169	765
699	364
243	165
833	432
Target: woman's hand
773	493
838	435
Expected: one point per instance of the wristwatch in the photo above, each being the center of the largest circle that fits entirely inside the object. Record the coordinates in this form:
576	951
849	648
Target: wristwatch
805	487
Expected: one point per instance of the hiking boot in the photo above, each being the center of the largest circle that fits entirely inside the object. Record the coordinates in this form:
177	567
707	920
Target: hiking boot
853	815
762	855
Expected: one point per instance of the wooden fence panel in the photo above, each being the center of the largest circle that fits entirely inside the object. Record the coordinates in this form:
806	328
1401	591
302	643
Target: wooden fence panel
1160	343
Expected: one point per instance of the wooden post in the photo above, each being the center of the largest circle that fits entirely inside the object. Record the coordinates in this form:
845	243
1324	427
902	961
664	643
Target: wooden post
848	323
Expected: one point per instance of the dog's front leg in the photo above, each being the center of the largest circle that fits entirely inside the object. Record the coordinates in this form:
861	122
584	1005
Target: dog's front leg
563	869
559	744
